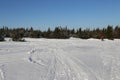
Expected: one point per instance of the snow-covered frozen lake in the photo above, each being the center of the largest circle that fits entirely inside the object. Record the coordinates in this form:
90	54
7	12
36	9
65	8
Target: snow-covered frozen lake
52	59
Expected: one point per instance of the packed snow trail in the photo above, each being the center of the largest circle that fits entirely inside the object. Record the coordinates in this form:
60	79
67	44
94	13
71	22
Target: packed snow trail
52	59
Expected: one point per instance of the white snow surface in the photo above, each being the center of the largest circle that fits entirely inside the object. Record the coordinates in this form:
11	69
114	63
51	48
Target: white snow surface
63	59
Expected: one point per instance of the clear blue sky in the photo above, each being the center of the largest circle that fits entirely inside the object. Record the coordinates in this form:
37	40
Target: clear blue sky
50	13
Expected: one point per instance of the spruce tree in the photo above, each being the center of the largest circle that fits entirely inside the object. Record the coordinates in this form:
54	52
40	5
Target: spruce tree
109	32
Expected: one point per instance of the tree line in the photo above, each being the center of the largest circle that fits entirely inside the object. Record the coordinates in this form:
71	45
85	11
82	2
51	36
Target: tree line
59	32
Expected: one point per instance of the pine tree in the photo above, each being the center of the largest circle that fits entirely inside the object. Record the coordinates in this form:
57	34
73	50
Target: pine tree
56	33
109	32
49	33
